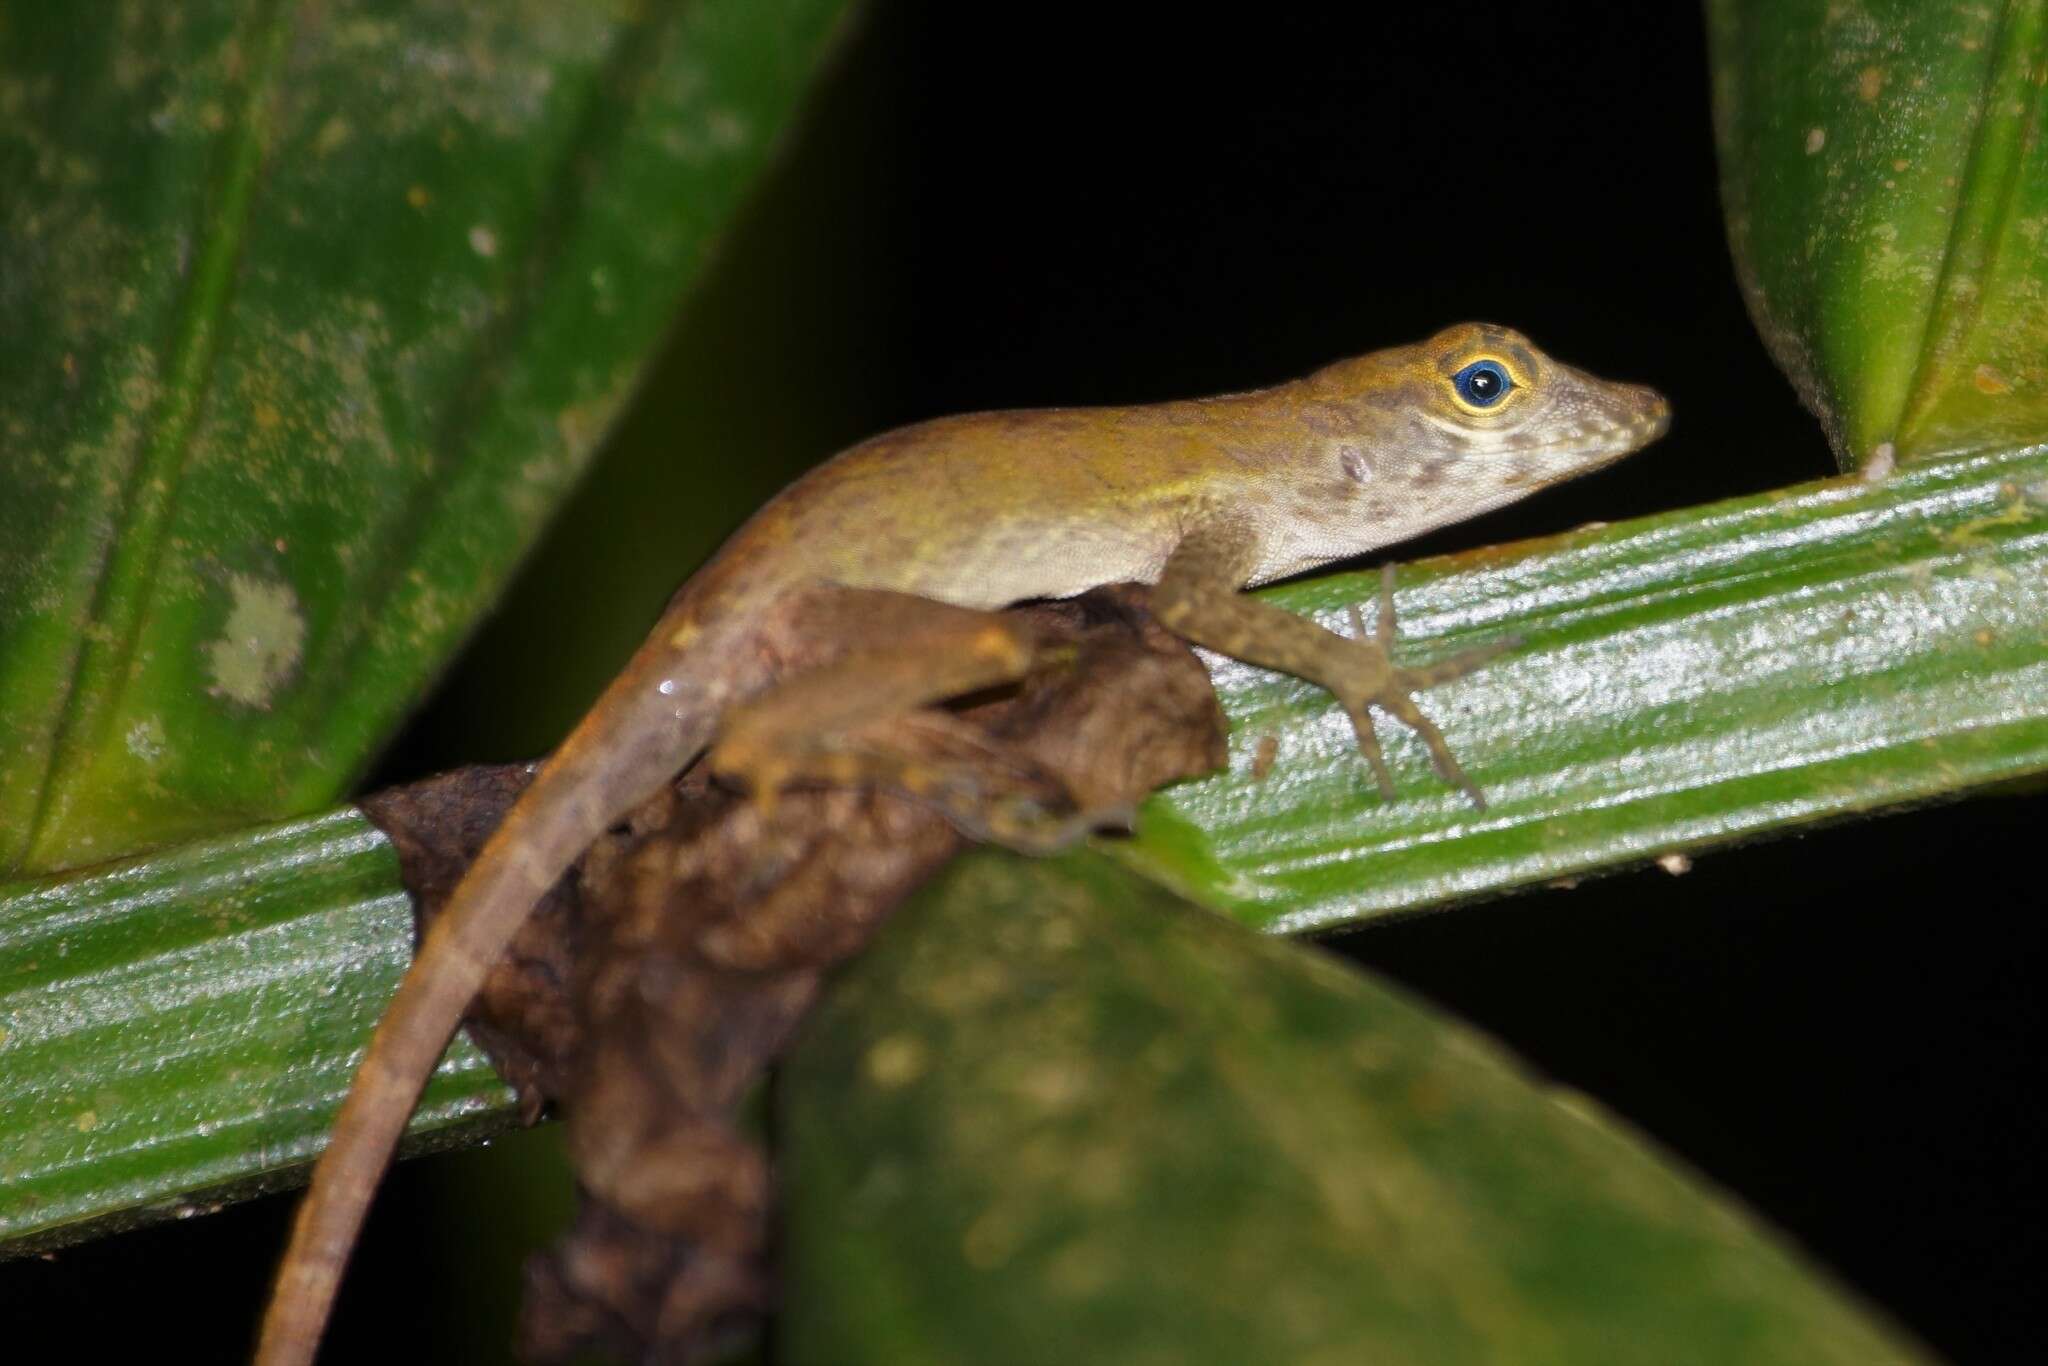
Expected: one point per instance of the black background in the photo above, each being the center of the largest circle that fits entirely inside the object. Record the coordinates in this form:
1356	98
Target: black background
1079	203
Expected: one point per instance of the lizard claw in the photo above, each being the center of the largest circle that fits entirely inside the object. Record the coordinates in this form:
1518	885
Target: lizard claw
1394	687
1369	746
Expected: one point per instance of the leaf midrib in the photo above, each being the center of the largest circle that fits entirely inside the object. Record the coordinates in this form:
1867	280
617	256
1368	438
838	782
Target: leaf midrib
1978	213
129	575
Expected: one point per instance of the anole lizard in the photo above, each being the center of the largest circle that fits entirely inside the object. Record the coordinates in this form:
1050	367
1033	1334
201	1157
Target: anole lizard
1200	498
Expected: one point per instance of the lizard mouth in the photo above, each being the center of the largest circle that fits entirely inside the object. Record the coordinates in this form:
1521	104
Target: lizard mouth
1604	422
1616	420
1653	417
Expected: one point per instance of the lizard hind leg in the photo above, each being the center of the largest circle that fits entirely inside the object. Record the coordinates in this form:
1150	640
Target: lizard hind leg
864	719
985	789
950	766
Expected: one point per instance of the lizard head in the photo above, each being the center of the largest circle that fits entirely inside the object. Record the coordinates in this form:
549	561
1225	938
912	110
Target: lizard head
1491	392
1474	417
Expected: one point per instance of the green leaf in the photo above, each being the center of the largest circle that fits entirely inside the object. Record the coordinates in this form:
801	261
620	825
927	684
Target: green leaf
178	1030
312	316
1687	680
1720	673
1056	1114
1885	177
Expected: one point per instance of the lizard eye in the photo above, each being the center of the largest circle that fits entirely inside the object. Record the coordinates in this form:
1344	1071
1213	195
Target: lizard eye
1483	383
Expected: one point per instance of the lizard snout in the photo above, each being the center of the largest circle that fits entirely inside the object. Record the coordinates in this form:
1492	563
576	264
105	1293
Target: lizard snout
1654	410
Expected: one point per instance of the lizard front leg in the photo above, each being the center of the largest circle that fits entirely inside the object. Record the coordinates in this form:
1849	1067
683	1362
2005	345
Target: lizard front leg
1198	597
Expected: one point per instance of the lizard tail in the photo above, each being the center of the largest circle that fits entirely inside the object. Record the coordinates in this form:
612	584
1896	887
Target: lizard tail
618	757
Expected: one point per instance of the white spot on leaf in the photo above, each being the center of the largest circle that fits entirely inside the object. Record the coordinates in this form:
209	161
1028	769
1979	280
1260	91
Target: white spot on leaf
145	740
260	645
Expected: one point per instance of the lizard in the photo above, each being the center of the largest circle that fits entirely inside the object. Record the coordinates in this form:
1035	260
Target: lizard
1200	498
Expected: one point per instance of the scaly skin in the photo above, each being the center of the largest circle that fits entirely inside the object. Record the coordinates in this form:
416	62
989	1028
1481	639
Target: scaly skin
1202	498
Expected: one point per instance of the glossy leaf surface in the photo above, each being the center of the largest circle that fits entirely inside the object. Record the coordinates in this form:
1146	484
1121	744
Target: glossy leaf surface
1685	680
178	1030
1725	672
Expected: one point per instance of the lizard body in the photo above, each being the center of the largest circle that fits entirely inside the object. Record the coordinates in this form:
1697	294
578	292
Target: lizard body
1201	498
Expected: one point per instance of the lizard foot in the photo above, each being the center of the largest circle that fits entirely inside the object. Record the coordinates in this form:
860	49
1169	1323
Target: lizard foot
1029	827
1366	677
993	801
987	799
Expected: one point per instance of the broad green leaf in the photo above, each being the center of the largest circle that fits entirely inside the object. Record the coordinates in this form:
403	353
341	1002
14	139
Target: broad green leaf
178	1030
311	314
1056	1114
1884	170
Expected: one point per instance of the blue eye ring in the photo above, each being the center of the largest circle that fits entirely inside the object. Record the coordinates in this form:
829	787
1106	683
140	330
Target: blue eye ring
1483	383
